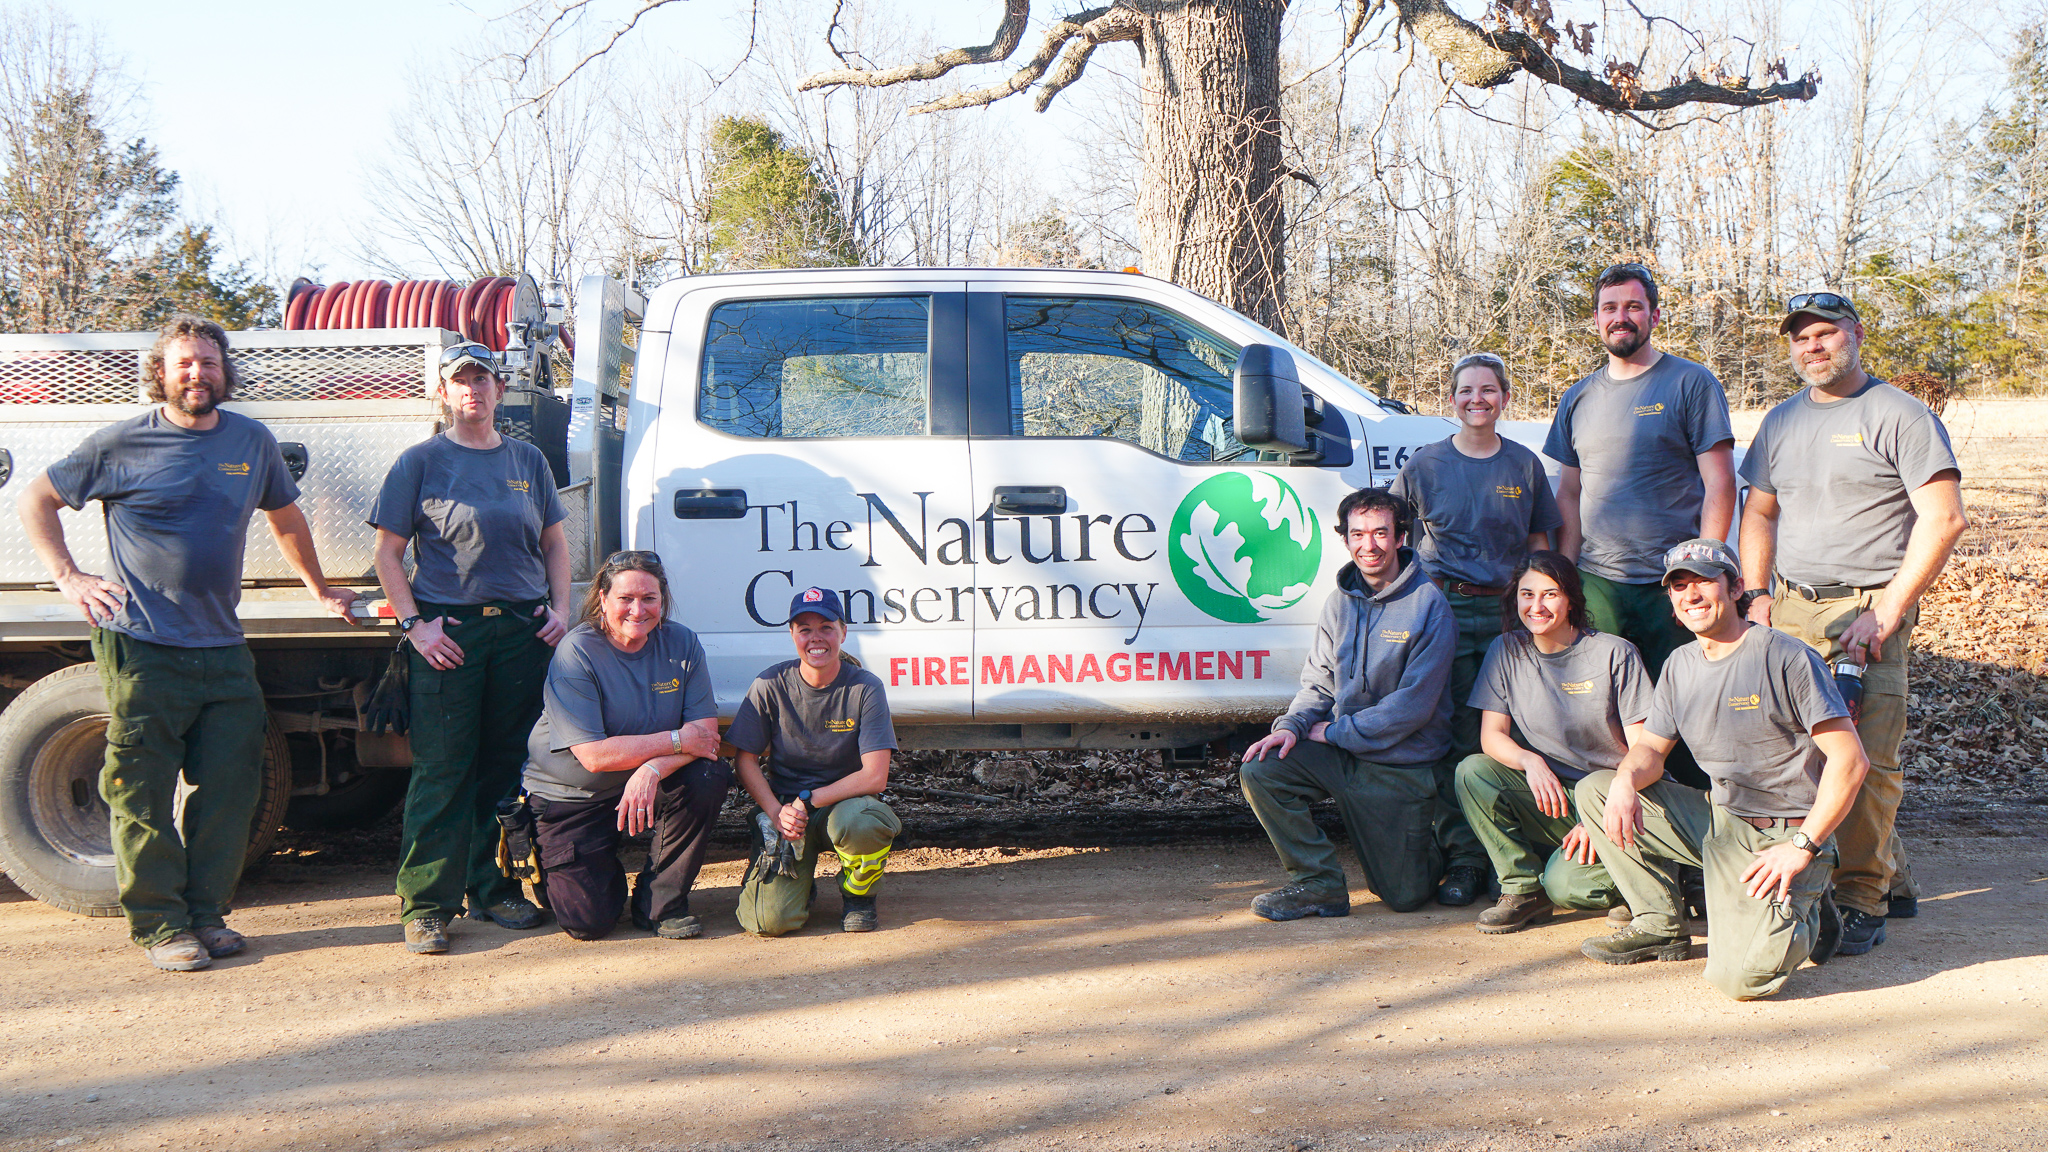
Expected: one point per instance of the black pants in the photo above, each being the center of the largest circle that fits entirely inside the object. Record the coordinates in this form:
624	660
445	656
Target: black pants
579	852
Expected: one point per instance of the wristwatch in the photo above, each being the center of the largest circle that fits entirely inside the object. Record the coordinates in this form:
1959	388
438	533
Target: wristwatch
675	741
804	798
1802	841
406	624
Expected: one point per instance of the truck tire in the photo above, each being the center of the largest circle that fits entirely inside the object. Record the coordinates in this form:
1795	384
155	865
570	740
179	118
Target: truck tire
54	838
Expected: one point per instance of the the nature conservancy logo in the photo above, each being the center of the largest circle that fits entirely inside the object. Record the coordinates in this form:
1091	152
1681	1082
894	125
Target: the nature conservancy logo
672	684
1749	703
1575	687
843	724
234	469
1649	409
1243	546
1846	439
1511	491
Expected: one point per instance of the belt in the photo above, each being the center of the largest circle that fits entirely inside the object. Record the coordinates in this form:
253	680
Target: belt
1766	823
1822	591
1464	589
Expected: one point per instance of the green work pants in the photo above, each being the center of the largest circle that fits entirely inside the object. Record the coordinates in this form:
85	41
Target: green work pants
860	829
1478	619
1874	867
1525	844
1641	614
195	713
1752	945
469	730
1389	812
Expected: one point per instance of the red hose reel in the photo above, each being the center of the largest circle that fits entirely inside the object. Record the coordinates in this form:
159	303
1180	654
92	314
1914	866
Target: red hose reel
482	310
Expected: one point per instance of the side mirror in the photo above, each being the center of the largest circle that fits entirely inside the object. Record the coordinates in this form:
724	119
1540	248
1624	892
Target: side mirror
1269	412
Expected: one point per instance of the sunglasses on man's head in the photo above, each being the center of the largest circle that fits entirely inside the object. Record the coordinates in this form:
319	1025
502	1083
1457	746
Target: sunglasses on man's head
1807	300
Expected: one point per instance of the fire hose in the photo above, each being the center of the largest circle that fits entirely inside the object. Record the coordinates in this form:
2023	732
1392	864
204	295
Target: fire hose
482	310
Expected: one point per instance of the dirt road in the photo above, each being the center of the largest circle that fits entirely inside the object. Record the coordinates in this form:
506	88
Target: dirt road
1058	998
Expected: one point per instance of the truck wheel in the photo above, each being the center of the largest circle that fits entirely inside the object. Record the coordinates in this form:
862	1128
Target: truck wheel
54	837
358	802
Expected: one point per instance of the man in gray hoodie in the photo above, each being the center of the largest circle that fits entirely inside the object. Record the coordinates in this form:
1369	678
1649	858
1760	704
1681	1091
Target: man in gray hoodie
1370	722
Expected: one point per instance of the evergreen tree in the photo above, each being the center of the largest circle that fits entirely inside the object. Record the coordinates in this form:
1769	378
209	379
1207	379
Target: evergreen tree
769	206
183	277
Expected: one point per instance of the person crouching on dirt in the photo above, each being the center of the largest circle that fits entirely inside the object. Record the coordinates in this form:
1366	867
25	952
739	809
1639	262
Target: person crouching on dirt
1762	714
1371	721
627	741
822	723
1578	698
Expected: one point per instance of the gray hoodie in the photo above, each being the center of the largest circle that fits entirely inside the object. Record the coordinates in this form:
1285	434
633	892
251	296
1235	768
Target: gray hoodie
1379	669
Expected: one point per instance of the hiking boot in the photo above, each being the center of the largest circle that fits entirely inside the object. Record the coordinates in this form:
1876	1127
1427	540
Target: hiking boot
1515	911
1827	938
1462	884
517	913
1298	900
181	953
857	913
1619	917
220	940
1860	932
1634	945
1903	908
1692	888
426	934
684	927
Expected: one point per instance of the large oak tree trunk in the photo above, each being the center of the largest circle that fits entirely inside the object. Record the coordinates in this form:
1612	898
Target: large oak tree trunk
1209	203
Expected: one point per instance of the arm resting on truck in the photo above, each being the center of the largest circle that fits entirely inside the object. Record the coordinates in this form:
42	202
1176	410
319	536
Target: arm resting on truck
295	540
94	596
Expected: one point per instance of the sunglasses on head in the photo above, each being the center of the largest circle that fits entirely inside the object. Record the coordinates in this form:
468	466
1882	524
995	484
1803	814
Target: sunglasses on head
1807	300
1465	362
469	351
632	555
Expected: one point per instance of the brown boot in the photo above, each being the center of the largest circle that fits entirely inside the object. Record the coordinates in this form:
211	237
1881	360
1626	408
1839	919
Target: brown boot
1515	911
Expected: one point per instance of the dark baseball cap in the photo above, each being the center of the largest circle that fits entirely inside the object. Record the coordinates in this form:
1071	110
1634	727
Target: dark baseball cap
823	601
1821	305
1702	556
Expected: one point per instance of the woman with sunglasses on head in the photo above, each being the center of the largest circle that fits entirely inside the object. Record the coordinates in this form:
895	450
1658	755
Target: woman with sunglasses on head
1577	699
487	599
815	739
1482	502
628	741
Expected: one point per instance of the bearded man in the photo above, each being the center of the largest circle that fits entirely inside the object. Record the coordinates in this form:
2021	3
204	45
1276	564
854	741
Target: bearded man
1855	504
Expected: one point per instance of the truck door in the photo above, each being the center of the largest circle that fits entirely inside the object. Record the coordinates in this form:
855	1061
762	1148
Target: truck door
817	437
1135	557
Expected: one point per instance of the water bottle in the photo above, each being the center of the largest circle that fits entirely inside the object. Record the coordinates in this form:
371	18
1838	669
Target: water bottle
1849	682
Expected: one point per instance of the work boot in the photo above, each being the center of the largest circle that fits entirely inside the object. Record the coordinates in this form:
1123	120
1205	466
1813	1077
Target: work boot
1462	885
857	913
181	953
220	940
427	934
1619	917
1298	900
1515	911
680	928
1902	907
517	913
1634	945
1860	932
1827	939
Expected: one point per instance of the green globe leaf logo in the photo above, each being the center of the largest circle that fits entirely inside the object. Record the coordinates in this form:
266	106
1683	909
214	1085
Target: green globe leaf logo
1244	546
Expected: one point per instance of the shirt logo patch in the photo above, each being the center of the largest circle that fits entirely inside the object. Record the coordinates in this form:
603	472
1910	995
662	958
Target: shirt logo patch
1649	409
1846	439
846	725
1393	637
516	485
1511	491
666	686
1749	703
234	469
1578	688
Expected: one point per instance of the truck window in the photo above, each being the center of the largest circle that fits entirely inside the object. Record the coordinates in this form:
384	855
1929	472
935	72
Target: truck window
1089	366
831	366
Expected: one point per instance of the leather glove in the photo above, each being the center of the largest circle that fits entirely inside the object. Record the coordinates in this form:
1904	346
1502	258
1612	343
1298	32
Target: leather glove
390	705
778	856
516	841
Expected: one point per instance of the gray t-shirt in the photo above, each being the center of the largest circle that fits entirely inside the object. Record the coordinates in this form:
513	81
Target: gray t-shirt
1571	706
1634	443
812	736
1843	474
177	505
595	691
1473	518
1748	718
474	516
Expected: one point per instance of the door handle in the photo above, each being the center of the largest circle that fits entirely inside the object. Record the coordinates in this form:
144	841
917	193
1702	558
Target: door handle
711	503
1031	499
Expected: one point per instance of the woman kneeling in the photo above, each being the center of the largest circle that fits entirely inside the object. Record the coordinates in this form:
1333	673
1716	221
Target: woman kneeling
628	741
822	722
1578	698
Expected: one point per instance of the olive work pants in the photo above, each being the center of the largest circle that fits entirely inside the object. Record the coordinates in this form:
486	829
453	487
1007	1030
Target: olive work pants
1641	614
469	730
1525	844
195	713
1389	813
1874	867
579	851
1478	620
1752	945
860	829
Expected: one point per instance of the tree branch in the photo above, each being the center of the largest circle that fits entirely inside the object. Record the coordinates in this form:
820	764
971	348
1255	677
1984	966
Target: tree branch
1115	24
1487	59
1016	15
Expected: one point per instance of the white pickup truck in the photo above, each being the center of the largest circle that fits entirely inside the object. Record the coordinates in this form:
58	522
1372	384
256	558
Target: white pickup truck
1064	509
